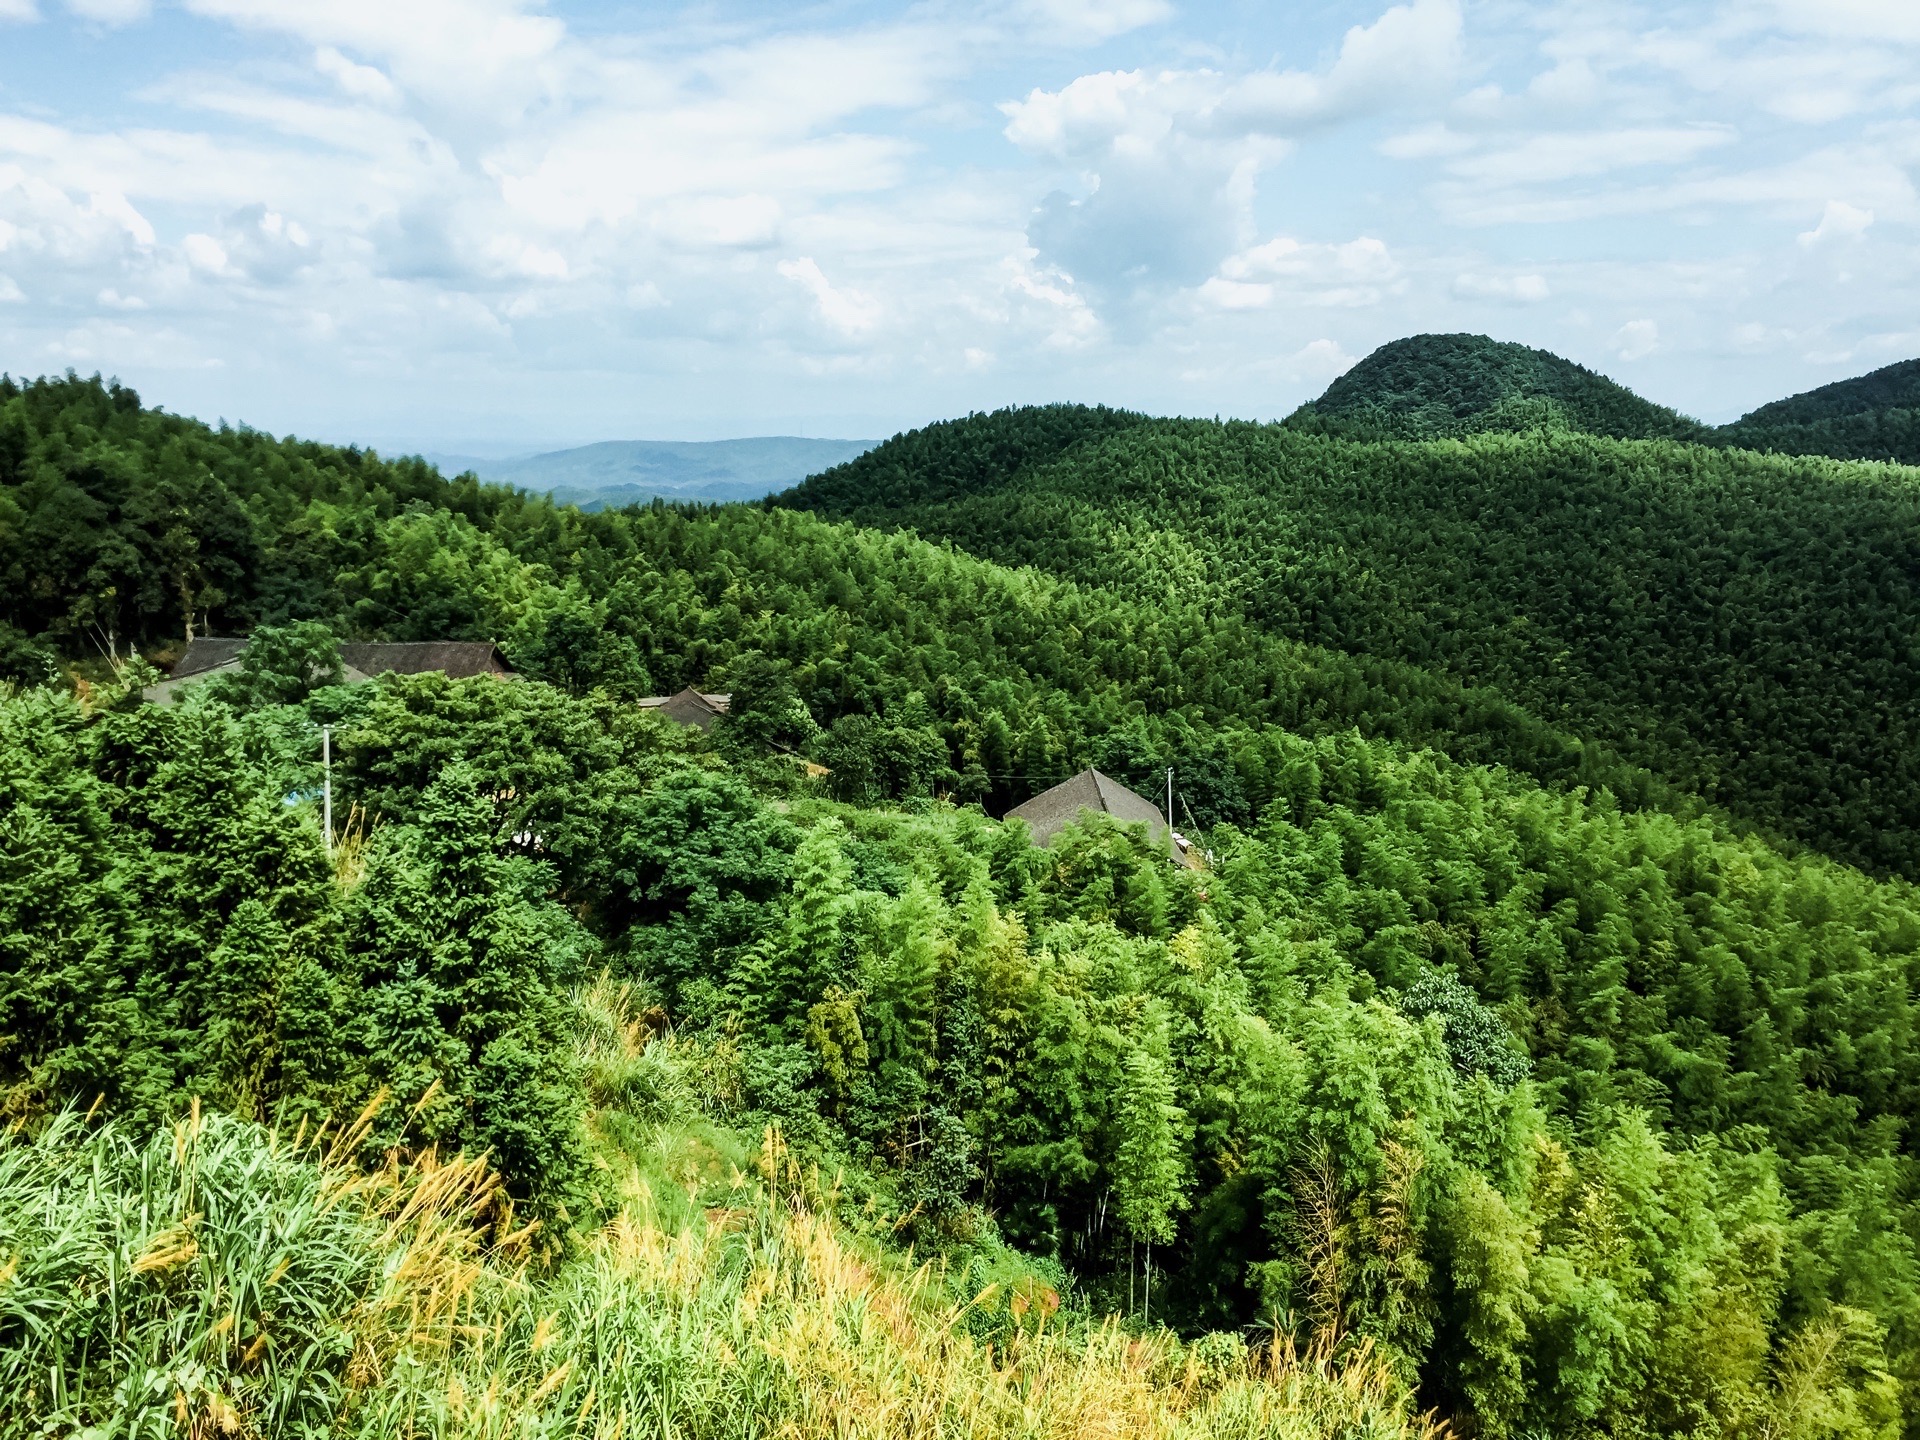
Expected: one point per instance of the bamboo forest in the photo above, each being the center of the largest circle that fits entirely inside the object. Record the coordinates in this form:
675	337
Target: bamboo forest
1502	1019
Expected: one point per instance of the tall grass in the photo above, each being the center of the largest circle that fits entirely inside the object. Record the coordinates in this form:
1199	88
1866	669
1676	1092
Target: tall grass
216	1279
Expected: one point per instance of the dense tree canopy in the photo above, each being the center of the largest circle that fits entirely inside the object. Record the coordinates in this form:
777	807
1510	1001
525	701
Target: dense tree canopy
1740	625
1489	1043
1872	417
1429	386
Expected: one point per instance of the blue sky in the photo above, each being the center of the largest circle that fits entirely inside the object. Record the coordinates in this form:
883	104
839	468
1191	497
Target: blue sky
504	224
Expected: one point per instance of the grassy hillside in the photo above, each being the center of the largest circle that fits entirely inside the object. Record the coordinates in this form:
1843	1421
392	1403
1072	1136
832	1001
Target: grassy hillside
1484	1090
1430	386
251	1283
1872	417
1492	1099
1737	624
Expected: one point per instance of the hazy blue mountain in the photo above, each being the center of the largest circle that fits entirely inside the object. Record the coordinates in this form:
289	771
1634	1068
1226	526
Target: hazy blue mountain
622	472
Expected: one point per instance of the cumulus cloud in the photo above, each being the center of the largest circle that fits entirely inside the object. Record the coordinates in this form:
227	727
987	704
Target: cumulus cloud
469	190
1889	20
1578	154
1354	273
1636	339
1070	22
1321	360
1148	223
111	12
1513	289
1410	52
205	254
450	49
1050	300
1839	221
1172	157
362	82
848	311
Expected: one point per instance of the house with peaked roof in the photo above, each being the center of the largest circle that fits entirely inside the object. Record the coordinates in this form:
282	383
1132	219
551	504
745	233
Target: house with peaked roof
689	707
1051	811
359	663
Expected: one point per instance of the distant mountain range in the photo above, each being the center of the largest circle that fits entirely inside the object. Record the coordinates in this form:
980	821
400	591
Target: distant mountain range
627	472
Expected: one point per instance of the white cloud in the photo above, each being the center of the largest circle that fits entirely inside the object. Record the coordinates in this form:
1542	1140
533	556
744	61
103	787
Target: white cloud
1515	289
1891	20
362	82
111	12
1060	310
1357	272
1321	360
204	253
1637	339
465	199
748	222
1425	143
1070	22
1169	161
10	293
114	206
1571	155
19	10
848	311
1839	221
1236	294
450	49
510	256
1410	52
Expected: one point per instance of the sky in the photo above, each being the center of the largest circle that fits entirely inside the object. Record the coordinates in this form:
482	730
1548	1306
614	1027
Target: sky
492	226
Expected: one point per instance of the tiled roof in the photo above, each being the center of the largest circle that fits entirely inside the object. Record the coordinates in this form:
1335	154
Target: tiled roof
206	654
1051	811
690	706
456	659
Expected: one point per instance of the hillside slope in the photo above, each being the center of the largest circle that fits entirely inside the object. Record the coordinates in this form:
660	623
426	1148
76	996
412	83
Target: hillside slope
1736	623
1871	417
1442	1086
1428	386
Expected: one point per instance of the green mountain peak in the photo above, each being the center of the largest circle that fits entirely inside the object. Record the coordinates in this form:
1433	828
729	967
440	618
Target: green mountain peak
1428	387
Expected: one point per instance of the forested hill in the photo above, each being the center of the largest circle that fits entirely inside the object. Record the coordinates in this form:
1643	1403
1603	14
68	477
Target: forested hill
1743	625
955	458
701	1092
1871	417
1428	386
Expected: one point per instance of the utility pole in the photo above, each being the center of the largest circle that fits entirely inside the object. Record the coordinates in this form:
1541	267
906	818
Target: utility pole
326	784
1173	852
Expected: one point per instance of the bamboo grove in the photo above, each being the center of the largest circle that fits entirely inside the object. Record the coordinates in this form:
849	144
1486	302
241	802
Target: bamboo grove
1498	1068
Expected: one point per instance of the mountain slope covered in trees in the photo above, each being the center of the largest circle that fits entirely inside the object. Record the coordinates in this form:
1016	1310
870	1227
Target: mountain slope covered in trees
1481	1072
1741	625
1429	386
1872	417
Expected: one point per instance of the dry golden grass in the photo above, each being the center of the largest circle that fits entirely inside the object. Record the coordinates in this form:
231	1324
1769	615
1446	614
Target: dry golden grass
256	1285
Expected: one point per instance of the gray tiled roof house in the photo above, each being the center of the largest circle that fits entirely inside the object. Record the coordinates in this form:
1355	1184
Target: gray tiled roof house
360	662
690	707
1051	811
